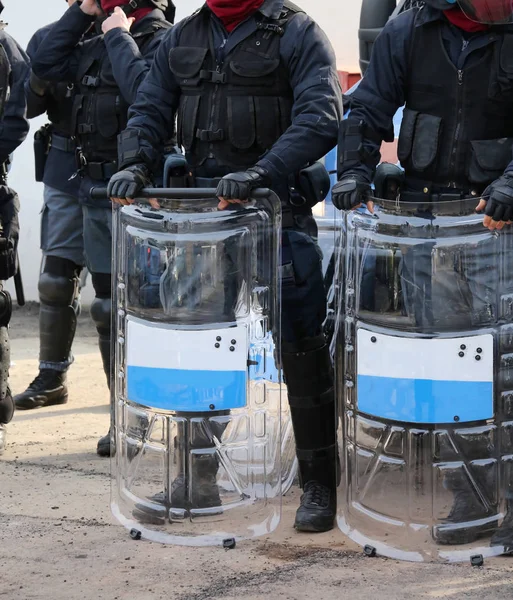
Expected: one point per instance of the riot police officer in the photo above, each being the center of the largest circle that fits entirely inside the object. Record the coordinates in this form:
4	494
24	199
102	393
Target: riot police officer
455	142
254	87
61	235
106	72
14	129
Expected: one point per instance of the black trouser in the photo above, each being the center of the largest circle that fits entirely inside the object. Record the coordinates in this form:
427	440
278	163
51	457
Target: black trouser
305	353
6	401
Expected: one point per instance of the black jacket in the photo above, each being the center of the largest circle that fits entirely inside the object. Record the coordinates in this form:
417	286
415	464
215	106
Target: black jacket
308	60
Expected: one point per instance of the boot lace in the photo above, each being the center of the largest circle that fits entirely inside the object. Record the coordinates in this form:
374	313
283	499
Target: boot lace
316	494
46	379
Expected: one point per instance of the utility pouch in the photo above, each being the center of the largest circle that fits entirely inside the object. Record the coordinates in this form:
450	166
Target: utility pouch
42	141
313	183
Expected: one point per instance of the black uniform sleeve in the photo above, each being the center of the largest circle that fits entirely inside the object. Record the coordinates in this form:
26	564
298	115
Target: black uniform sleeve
14	126
129	64
56	58
152	116
36	102
381	92
317	108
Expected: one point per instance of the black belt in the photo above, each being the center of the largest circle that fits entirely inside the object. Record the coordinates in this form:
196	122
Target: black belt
64	144
420	197
101	171
207	182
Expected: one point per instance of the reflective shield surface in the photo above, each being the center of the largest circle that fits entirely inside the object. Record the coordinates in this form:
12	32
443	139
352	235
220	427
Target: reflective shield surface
198	392
424	357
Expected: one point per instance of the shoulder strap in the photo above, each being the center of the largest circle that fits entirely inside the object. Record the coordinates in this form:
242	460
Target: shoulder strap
291	7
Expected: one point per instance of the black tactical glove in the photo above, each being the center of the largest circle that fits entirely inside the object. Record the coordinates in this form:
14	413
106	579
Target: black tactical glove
351	191
499	204
129	182
9	210
39	86
238	186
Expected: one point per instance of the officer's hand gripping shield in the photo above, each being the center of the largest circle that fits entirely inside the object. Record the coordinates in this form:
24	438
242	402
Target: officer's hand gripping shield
197	391
424	355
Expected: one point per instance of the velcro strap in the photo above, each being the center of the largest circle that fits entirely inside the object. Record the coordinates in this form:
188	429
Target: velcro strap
287	274
328	453
352	155
311	401
212	76
86	128
207	135
89	81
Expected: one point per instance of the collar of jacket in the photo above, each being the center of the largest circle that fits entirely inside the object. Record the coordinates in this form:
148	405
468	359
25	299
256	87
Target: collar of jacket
429	14
270	8
155	15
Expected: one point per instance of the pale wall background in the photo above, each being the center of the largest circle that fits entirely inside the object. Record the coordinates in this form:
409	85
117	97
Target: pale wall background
339	18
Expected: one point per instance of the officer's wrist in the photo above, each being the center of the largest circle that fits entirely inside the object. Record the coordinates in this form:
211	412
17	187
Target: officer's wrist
272	175
262	173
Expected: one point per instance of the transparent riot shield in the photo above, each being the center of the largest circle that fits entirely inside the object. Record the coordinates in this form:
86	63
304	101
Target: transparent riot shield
424	361
198	393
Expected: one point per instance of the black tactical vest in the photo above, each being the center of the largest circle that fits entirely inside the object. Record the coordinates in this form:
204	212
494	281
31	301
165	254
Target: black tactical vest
234	111
457	128
99	110
5	75
59	108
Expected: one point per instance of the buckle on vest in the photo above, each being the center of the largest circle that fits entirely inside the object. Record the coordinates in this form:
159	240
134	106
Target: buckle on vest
213	76
90	81
207	135
271	27
86	128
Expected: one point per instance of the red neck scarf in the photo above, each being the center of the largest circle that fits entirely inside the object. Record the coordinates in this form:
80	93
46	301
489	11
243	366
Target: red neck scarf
458	18
109	5
233	12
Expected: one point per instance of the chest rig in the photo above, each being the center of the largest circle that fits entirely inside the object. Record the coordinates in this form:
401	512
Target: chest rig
457	129
100	112
232	108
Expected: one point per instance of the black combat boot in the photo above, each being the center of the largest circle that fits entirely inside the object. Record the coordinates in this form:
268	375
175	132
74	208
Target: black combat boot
204	494
100	313
458	528
3	437
504	535
47	389
318	508
309	378
104	446
193	491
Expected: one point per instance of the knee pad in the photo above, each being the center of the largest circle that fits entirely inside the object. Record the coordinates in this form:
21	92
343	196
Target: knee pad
59	282
5	308
101	309
6	408
309	377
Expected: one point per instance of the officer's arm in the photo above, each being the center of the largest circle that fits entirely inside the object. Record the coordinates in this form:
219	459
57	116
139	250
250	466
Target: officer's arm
55	59
35	88
129	65
14	125
317	108
376	100
152	116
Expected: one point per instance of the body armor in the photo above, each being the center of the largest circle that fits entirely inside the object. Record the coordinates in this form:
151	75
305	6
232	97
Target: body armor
233	109
457	129
99	110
